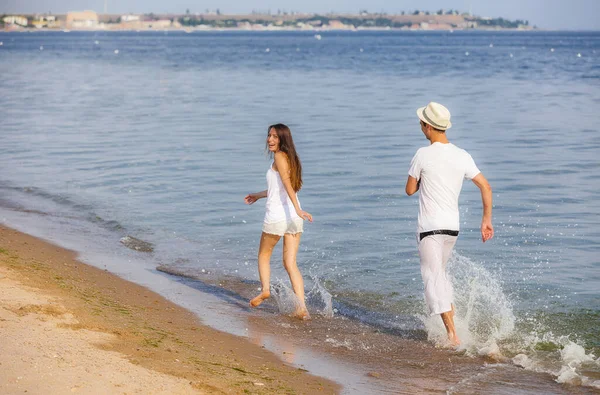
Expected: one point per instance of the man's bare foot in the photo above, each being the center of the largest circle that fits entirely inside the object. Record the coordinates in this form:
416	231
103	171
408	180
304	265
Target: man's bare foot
259	299
454	341
302	314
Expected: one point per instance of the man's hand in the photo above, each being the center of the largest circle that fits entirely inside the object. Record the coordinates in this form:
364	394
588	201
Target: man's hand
487	230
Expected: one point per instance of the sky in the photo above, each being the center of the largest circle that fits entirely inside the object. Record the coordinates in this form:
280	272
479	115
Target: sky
546	14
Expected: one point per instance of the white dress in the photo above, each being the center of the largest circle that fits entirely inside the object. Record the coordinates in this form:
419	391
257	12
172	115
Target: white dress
280	214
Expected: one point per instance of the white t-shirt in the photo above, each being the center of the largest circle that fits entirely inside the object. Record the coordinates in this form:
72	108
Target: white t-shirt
441	168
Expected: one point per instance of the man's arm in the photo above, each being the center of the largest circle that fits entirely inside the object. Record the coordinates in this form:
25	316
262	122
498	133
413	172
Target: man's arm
412	186
487	230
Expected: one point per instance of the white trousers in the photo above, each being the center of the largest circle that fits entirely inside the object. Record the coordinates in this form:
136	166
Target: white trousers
435	251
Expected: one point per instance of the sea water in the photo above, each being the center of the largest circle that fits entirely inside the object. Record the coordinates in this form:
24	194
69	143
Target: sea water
160	135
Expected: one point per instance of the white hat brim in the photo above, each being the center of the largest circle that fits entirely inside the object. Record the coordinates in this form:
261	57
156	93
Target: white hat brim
422	117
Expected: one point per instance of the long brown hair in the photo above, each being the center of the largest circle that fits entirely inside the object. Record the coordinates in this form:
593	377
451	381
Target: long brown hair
286	144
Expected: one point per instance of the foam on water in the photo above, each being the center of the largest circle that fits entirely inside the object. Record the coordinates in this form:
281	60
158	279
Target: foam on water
574	359
564	359
487	326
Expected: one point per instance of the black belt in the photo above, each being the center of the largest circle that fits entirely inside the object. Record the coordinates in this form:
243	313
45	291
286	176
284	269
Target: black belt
438	232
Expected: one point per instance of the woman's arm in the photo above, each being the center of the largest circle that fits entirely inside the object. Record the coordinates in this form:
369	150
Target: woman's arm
253	197
283	168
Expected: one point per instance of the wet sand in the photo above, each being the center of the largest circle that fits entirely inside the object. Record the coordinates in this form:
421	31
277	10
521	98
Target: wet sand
70	327
370	360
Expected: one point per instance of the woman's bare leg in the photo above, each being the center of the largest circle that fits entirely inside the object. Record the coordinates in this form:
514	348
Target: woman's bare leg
265	250
291	242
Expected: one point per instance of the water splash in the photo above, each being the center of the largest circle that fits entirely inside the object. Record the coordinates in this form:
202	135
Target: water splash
484	314
487	326
319	300
284	296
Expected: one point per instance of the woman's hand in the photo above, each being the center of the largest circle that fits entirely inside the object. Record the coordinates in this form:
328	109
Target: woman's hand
251	198
304	215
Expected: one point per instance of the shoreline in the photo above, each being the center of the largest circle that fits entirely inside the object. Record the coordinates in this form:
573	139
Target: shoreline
84	315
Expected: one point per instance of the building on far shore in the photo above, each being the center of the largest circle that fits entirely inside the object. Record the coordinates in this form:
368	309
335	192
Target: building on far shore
159	24
147	25
82	20
130	18
41	21
338	25
15	20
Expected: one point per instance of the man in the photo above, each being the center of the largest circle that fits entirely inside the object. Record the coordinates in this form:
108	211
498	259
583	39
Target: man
438	172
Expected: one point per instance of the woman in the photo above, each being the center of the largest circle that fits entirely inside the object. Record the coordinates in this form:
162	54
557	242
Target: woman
283	217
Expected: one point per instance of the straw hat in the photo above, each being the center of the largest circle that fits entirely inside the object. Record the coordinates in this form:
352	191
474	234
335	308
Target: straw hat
435	115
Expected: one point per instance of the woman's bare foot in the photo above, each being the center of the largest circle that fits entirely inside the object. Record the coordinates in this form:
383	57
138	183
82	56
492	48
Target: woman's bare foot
302	314
259	299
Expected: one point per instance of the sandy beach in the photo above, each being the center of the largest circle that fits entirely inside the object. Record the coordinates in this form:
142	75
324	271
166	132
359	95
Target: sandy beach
71	328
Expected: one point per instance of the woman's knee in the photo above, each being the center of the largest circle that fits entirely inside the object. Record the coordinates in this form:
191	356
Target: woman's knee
262	256
289	263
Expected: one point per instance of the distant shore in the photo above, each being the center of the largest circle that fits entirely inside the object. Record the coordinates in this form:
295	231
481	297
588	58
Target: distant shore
210	21
200	30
